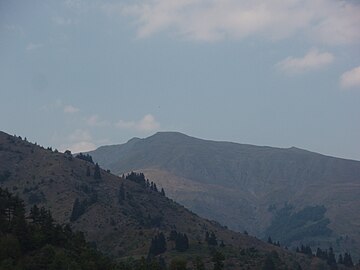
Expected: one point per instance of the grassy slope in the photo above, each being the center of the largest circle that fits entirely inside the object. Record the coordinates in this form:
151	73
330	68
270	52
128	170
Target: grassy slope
57	180
237	183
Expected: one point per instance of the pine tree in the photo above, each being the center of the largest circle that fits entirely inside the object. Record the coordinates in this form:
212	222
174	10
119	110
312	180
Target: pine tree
78	210
348	260
181	242
218	260
88	171
212	239
35	214
331	258
121	193
162	192
162	243
207	236
157	246
97	174
340	260
173	235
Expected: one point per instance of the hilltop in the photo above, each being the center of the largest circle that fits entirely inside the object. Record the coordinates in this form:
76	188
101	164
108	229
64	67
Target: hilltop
123	216
293	195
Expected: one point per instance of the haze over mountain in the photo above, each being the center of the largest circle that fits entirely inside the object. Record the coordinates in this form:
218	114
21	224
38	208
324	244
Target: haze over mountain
123	223
293	195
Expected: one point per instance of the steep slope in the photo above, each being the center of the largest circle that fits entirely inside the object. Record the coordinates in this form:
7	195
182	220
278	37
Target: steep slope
123	225
249	187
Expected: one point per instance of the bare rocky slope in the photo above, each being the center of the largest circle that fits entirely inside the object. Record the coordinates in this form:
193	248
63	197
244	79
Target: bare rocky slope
125	227
293	195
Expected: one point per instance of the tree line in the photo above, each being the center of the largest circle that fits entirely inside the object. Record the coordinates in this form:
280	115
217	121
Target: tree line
37	242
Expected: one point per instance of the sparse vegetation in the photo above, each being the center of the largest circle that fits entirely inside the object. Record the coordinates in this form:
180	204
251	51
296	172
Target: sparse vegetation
128	228
157	246
41	244
288	226
86	157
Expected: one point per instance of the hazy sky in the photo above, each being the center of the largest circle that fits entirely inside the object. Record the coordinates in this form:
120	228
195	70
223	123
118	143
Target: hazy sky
78	74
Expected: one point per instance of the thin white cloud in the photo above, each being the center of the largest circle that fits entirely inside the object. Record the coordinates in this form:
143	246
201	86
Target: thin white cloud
311	61
351	78
79	141
79	135
125	124
147	123
14	28
326	21
34	46
74	3
58	104
340	23
81	147
71	109
61	20
96	121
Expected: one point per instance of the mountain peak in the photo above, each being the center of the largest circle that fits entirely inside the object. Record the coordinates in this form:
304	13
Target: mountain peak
169	133
172	136
133	140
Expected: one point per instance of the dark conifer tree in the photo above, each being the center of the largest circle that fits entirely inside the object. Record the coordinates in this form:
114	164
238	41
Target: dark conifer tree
181	242
348	260
86	157
207	236
162	192
331	257
173	235
157	246
340	259
218	260
78	210
97	174
121	193
88	171
162	243
212	239
35	214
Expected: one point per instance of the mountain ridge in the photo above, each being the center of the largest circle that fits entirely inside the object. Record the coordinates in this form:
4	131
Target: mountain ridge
245	179
162	134
88	198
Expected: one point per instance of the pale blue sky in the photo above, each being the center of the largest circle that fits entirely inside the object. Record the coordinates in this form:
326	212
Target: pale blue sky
78	74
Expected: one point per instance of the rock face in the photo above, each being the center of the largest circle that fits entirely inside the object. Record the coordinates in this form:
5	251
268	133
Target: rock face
120	215
250	187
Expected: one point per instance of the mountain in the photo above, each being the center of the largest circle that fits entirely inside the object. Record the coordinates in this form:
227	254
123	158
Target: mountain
293	195
128	218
